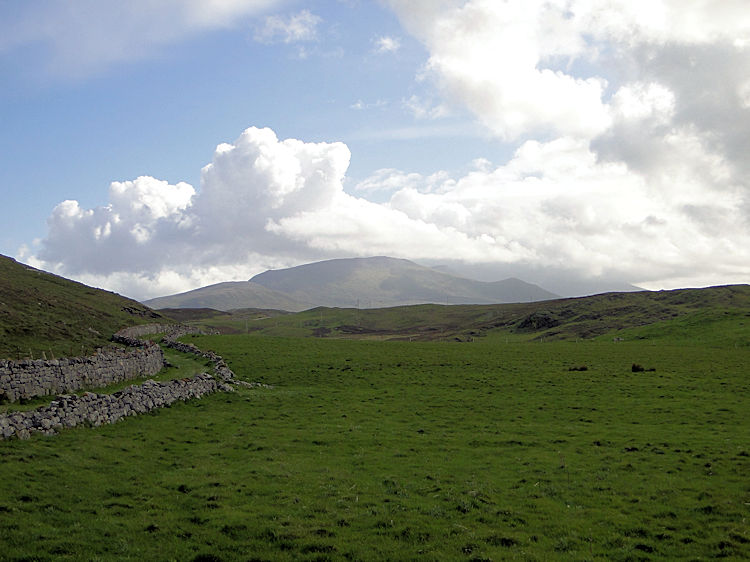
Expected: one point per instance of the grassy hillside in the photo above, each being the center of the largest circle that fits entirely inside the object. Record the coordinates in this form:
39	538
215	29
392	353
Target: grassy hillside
367	450
712	314
44	313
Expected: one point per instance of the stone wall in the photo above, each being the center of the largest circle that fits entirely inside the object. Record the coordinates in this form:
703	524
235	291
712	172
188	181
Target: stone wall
170	331
29	378
97	409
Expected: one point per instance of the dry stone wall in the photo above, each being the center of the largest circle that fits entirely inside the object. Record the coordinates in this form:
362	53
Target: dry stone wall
30	378
96	409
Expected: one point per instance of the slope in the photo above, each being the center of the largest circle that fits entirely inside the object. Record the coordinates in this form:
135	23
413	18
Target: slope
230	295
42	313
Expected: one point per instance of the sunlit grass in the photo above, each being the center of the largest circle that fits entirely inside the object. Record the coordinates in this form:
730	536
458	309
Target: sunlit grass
399	450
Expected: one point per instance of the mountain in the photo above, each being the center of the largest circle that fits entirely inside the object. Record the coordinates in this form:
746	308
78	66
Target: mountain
564	283
231	295
44	313
383	282
353	283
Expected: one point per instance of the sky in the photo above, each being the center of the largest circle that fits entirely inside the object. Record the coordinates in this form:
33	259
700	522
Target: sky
152	147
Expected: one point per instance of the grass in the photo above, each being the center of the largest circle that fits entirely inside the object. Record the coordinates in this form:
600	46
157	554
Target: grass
368	450
713	328
690	312
41	313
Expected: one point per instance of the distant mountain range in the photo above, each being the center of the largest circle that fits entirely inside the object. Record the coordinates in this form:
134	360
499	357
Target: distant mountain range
376	282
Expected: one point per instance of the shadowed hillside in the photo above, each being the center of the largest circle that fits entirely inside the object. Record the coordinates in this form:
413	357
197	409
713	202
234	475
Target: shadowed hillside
44	313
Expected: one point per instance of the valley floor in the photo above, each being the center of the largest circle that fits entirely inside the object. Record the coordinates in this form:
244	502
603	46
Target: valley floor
367	450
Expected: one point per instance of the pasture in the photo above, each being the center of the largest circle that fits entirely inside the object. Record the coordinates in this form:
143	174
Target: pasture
371	450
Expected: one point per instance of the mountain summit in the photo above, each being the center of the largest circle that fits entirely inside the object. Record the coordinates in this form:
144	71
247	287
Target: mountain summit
356	283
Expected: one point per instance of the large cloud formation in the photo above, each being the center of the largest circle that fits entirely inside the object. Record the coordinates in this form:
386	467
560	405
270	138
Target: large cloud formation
631	126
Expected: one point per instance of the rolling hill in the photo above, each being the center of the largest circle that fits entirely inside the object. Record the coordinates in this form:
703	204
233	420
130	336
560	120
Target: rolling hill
715	315
376	282
44	313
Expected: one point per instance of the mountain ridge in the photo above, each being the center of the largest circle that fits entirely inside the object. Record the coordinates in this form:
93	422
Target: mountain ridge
230	295
374	282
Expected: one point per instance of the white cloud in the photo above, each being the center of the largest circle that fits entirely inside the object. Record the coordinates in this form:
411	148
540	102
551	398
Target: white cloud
492	57
388	180
638	101
632	127
266	202
421	108
143	218
87	35
387	44
546	68
360	105
294	28
152	235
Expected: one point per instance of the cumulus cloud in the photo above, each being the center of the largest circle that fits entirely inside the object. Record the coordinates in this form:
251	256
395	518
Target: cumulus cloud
152	235
493	57
657	88
630	123
144	218
87	35
548	68
266	202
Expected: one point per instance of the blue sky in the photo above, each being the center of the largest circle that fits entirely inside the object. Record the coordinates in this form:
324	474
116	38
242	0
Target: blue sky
570	140
164	113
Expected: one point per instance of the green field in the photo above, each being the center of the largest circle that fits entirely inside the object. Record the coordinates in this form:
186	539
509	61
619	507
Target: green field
715	315
371	450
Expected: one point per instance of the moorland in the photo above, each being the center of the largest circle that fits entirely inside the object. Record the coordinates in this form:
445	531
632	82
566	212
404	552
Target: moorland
611	427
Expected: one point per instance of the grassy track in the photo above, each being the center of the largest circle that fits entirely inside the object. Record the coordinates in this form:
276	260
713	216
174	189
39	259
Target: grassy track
404	450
